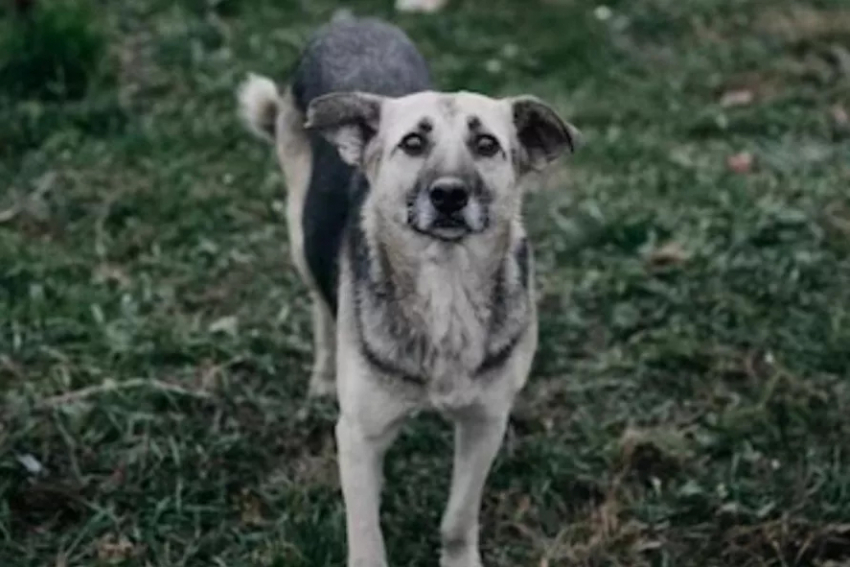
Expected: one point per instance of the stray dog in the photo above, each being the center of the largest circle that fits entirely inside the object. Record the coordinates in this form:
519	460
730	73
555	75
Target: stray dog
405	221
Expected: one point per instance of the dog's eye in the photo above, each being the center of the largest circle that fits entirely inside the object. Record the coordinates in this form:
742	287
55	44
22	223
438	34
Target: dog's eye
413	144
486	145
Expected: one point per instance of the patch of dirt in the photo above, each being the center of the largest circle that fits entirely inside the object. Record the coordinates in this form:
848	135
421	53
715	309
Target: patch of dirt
45	506
115	549
650	454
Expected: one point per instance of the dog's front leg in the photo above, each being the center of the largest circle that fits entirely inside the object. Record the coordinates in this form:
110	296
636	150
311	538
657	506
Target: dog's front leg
368	424
478	435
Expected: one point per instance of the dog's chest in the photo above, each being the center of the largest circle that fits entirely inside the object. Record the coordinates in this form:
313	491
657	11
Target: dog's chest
441	320
452	309
429	323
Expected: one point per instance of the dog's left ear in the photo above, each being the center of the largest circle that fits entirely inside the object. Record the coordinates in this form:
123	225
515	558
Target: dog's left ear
347	120
543	135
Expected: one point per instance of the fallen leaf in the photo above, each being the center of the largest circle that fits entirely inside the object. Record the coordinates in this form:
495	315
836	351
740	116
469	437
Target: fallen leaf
31	464
227	325
9	214
741	162
839	115
650	545
250	509
421	6
691	488
106	273
730	509
668	254
739	97
114	549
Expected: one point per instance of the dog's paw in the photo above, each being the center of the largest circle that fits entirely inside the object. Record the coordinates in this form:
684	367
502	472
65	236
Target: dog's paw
453	555
472	560
366	563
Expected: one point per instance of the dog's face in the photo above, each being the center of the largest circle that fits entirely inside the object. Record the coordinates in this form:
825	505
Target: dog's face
446	166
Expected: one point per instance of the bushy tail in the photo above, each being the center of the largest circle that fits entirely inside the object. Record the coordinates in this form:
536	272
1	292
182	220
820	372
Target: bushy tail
259	103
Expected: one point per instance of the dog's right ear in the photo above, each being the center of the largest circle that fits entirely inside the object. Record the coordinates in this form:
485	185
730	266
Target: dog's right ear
347	120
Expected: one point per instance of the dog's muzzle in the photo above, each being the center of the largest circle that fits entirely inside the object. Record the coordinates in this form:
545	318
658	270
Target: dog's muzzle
449	209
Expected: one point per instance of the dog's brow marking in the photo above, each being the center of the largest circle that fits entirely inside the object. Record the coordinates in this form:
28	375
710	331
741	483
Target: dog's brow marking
474	123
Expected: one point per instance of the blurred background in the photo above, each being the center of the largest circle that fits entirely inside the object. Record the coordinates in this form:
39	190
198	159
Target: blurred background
690	402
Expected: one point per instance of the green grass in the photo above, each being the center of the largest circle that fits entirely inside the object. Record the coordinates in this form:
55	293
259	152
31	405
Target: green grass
690	404
51	49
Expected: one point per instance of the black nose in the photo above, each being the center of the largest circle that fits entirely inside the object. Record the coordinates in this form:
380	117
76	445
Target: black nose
449	195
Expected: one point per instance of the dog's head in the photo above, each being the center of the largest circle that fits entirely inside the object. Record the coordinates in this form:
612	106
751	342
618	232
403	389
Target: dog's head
447	166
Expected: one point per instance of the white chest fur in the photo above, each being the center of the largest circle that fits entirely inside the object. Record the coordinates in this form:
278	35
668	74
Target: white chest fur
453	306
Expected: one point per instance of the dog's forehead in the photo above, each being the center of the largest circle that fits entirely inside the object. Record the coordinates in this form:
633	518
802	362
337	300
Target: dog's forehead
447	111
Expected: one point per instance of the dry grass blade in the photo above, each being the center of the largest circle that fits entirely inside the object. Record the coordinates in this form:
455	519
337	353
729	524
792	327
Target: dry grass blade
111	386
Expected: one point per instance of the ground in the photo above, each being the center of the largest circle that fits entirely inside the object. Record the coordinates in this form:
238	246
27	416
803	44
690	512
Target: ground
690	402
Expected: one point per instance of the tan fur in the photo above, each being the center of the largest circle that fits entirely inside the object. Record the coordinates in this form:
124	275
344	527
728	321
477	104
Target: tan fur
445	291
419	314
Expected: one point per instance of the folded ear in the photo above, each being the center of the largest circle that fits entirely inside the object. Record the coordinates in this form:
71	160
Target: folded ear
543	135
347	120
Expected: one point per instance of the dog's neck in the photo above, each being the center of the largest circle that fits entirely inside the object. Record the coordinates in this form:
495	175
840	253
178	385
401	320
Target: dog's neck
434	310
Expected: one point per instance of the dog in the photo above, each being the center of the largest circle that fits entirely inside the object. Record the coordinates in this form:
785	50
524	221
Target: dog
404	212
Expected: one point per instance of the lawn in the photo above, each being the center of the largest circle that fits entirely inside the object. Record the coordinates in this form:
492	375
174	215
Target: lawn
690	402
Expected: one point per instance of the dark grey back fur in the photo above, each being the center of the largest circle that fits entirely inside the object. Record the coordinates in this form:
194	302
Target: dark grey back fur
348	55
359	55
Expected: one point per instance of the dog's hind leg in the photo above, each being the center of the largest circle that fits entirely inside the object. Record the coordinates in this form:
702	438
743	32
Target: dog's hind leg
322	382
296	160
274	117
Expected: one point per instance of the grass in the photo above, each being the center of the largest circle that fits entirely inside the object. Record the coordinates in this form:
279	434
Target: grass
50	50
690	399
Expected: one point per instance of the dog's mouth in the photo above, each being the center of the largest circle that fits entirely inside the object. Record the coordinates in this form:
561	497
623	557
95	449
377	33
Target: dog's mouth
432	218
450	228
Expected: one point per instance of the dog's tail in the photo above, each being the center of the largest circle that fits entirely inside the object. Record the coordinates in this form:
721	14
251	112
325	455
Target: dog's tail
259	104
